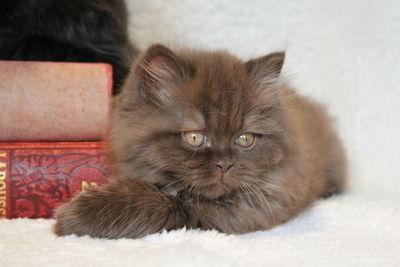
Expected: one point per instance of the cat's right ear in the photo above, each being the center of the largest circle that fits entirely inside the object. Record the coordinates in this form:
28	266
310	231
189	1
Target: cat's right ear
265	71
159	72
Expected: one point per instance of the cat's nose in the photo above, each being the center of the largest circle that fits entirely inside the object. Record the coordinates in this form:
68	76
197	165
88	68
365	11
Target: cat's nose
224	165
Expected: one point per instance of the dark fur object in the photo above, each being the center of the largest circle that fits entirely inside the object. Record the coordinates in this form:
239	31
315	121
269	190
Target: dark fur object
162	181
67	30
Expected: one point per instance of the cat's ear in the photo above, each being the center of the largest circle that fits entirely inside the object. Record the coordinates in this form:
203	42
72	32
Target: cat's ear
266	70
159	71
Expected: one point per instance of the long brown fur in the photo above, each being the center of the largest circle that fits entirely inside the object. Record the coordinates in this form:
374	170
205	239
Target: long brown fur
163	183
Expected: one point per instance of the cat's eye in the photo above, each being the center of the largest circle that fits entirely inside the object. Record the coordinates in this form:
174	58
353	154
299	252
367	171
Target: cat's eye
196	139
245	140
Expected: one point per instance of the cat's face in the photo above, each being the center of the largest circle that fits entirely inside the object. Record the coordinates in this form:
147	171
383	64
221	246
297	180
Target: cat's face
203	122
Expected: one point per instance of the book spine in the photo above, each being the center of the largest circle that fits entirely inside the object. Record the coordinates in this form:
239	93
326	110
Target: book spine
36	178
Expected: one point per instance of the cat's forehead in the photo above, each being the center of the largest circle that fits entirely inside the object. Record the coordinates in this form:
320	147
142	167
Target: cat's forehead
220	94
221	79
222	98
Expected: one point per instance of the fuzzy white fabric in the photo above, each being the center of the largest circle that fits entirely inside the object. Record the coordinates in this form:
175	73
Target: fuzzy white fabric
342	53
349	230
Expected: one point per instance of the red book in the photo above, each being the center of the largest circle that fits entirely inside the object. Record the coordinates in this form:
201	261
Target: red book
36	177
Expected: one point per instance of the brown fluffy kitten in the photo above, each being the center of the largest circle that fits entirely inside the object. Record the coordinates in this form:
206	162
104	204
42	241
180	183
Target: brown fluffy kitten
205	140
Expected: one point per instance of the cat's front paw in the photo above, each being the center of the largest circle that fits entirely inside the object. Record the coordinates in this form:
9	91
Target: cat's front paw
122	208
69	219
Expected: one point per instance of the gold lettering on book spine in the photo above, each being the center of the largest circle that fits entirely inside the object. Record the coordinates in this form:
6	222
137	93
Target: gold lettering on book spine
86	185
3	185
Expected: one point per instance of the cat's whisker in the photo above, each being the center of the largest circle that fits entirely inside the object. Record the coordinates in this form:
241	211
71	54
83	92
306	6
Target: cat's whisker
247	191
278	190
262	200
174	183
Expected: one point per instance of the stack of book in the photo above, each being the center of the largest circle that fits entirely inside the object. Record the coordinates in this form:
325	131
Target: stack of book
53	118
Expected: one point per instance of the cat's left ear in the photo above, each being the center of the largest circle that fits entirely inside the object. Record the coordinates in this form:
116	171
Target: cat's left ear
159	72
266	70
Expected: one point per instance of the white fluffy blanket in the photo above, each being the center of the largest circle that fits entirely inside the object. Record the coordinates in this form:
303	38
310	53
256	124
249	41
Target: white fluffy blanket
349	230
342	53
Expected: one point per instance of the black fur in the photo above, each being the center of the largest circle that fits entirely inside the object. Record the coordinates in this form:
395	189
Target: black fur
67	30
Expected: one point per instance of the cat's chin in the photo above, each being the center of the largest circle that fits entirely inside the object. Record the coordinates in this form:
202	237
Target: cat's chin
215	191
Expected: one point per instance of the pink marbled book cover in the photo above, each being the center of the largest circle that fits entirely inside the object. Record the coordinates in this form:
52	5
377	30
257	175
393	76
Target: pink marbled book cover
52	101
